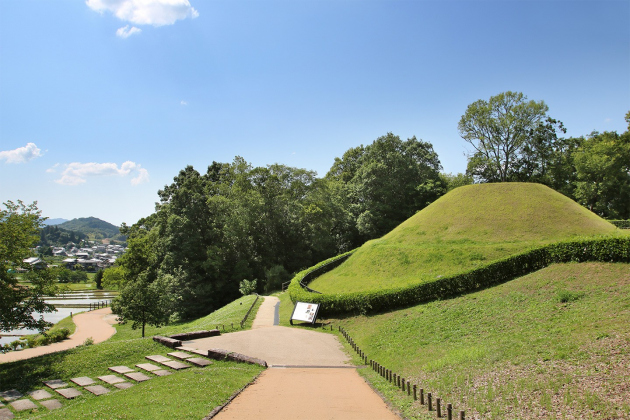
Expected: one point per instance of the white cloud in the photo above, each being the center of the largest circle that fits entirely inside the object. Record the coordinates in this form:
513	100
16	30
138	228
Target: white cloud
146	12
183	103
607	120
21	154
77	173
126	32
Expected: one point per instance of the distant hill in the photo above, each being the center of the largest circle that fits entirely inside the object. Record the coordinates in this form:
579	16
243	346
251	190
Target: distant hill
468	227
93	227
53	222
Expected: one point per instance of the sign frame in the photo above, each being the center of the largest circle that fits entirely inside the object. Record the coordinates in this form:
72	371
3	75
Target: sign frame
305	310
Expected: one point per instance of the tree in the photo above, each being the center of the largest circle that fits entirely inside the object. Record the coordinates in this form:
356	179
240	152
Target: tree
602	168
247	287
498	130
98	279
386	182
19	231
141	302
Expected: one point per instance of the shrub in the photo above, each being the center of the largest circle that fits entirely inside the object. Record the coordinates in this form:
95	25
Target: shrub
600	249
565	296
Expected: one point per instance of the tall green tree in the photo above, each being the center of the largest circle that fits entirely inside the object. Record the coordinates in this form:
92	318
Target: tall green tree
20	225
498	130
602	168
386	182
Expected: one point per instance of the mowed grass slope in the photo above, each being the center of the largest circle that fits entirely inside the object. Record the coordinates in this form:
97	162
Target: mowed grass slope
554	344
466	228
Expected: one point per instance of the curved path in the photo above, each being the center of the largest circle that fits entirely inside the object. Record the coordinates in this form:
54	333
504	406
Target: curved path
95	324
310	376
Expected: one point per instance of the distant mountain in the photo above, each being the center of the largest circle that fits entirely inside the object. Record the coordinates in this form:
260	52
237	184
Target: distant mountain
53	222
92	226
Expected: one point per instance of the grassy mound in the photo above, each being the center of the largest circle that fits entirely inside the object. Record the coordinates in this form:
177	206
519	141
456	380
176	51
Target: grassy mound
466	228
552	344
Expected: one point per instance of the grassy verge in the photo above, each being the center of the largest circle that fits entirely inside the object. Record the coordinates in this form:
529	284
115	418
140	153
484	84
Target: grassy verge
553	344
192	393
227	318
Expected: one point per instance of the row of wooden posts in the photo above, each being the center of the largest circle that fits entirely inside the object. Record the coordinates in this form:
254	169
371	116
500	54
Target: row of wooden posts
99	305
402	384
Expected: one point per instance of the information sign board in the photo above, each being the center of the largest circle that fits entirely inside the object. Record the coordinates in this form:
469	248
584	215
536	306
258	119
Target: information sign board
304	311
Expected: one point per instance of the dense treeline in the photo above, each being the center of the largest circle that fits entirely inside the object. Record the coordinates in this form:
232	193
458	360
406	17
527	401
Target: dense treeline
56	236
212	230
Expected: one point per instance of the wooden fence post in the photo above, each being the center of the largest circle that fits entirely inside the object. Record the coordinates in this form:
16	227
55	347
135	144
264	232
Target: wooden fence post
430	401
438	404
415	392
449	411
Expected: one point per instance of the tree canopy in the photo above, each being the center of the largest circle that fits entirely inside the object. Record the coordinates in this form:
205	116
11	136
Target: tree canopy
499	131
19	231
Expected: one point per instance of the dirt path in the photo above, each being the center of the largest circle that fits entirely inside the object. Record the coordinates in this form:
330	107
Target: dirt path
310	375
95	324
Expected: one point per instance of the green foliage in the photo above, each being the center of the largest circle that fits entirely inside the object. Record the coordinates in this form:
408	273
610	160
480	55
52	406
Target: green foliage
113	278
92	226
384	183
498	130
274	277
602	249
142	302
98	279
565	296
602	168
247	287
65	275
56	236
621	224
19	230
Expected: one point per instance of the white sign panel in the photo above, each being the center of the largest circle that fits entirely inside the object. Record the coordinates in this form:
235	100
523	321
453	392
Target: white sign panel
306	312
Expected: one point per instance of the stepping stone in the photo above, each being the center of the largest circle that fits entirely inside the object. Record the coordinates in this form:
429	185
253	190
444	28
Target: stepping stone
203	353
83	381
174	364
123	385
40	394
162	372
56	383
97	389
5	413
111	379
180	355
11	395
148	366
22	405
121	369
199	361
137	376
69	393
158	359
51	404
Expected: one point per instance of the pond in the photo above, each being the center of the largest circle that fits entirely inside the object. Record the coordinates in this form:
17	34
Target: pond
65	303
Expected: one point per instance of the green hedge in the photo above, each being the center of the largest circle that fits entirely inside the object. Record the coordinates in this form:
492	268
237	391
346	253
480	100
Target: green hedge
601	249
621	224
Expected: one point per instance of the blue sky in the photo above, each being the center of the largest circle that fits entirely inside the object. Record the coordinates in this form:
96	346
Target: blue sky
102	102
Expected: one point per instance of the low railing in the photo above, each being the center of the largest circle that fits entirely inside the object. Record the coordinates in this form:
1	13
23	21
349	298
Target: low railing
249	310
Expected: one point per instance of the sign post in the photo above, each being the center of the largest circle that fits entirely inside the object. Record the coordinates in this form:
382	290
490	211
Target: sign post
304	311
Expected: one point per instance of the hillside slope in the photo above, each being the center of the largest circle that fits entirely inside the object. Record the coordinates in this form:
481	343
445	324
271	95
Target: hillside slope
91	226
468	227
554	344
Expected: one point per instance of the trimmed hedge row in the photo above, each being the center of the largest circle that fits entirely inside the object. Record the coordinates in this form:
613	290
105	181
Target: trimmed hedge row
601	249
621	224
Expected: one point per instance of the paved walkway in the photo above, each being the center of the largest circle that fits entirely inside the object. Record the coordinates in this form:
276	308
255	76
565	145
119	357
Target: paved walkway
310	376
95	324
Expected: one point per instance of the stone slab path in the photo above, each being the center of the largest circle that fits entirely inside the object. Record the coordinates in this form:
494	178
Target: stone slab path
95	324
310	376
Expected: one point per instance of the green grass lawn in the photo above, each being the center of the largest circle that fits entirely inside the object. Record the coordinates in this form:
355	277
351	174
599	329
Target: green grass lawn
192	393
554	344
469	227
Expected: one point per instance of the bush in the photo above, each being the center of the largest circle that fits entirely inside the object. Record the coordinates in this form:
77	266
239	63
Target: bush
621	224
601	249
